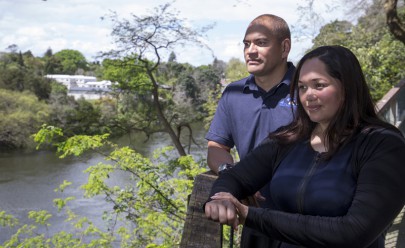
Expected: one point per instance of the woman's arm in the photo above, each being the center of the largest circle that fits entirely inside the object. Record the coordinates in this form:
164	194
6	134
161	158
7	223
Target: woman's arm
242	180
251	173
379	197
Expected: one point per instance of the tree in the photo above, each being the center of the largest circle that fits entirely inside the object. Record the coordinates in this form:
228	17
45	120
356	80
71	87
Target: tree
235	70
172	57
22	115
70	61
22	71
134	105
208	78
394	21
381	55
48	53
40	86
12	72
334	33
310	20
52	64
149	206
146	40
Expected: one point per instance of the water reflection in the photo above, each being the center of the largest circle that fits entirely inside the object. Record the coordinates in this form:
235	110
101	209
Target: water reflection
28	180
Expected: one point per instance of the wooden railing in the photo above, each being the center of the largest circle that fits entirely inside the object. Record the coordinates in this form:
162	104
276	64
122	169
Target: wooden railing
392	106
199	232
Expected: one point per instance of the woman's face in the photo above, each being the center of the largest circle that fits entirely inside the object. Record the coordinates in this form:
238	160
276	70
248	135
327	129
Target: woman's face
320	94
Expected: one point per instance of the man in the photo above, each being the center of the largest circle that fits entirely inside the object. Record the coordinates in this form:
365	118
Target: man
251	108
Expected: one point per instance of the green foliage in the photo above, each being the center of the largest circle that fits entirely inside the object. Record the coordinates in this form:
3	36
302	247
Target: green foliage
29	235
148	206
83	118
40	217
22	115
383	65
235	70
128	73
381	56
70	61
61	203
20	72
181	94
145	40
157	202
75	116
334	33
73	146
134	111
46	135
78	144
7	220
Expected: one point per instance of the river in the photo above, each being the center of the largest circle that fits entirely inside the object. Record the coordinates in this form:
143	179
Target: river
28	181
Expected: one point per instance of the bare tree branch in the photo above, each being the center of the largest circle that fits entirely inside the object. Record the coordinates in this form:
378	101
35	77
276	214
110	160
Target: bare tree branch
394	23
146	40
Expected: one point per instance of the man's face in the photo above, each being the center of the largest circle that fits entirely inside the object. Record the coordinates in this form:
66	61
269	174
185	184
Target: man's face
263	52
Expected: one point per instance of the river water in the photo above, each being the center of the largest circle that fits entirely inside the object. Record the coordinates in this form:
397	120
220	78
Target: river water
28	180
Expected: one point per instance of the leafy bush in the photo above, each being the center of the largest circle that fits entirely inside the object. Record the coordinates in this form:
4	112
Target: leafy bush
149	209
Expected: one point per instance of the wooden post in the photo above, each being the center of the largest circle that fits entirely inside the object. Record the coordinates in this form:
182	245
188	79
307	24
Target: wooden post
198	230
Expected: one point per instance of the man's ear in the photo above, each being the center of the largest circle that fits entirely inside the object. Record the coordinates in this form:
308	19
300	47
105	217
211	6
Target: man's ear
286	47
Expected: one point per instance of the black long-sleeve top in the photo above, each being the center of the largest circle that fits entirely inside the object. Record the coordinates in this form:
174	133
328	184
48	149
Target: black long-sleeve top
347	201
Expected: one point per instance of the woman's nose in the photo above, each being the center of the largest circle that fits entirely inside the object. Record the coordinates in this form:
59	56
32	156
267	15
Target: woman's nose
311	96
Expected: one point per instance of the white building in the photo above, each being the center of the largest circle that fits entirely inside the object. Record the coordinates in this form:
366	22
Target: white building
83	86
72	80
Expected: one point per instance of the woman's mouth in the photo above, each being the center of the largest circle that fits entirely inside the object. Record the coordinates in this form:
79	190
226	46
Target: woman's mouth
313	107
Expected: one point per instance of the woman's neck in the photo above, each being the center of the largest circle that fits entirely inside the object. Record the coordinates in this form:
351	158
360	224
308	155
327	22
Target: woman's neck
318	139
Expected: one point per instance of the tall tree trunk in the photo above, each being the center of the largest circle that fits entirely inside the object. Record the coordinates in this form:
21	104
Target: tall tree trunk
394	23
175	138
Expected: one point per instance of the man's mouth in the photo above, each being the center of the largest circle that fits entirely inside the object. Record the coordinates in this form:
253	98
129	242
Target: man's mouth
253	62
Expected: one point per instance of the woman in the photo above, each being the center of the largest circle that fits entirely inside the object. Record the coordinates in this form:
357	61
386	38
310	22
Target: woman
337	173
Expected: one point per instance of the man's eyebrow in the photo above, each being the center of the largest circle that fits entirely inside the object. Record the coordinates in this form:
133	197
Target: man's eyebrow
252	40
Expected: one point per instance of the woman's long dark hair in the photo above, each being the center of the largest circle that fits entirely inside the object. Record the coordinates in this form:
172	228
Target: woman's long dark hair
357	109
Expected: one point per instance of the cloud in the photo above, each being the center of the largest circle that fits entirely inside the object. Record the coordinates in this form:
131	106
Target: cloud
37	25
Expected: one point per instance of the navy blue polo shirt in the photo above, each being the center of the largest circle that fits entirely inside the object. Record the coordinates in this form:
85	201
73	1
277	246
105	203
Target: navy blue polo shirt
246	114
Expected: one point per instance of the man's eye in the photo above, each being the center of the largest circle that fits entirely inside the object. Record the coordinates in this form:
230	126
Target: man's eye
261	43
246	44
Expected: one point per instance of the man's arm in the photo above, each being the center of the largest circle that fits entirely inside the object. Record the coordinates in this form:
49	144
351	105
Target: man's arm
218	154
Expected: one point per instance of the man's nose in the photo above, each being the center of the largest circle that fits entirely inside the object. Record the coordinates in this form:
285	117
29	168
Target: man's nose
252	48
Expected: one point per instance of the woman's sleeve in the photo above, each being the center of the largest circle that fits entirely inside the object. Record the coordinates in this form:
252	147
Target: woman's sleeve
250	174
378	199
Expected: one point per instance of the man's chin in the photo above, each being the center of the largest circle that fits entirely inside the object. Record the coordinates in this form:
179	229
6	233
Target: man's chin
254	69
255	72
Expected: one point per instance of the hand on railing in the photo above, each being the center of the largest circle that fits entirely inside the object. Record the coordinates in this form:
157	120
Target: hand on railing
226	209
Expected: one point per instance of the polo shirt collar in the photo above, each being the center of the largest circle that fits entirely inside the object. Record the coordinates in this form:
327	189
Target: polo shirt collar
252	86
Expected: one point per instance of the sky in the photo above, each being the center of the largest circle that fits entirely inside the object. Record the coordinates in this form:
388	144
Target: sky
37	25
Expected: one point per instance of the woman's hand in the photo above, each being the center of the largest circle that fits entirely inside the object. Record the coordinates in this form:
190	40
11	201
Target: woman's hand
226	209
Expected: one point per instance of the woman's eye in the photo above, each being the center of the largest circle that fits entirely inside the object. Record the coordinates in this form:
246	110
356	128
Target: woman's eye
302	87
320	85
